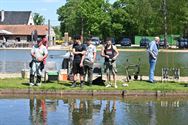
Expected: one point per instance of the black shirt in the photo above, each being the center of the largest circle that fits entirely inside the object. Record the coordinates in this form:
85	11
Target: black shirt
78	48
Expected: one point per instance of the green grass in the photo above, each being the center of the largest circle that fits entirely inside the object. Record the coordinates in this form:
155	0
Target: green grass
19	83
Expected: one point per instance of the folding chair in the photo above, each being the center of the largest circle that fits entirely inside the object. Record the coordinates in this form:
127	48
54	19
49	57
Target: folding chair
51	71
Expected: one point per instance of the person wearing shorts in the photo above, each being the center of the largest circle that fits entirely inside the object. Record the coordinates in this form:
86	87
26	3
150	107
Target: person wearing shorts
110	53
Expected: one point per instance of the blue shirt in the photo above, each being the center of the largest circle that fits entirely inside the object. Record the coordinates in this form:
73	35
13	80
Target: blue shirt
153	48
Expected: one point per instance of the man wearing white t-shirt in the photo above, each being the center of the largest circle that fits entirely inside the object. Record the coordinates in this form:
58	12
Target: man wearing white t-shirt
89	61
39	54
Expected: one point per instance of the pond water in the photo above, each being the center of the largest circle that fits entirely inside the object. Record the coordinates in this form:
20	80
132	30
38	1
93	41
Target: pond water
16	60
93	111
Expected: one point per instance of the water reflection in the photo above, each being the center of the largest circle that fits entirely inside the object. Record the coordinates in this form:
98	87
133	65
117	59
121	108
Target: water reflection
86	111
39	108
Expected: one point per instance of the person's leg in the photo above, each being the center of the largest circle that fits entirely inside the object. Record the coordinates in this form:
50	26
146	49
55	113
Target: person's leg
31	80
38	81
114	71
114	79
85	73
32	74
152	70
74	74
39	73
81	71
90	75
108	75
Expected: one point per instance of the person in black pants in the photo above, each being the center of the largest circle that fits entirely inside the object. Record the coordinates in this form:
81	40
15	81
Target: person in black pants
79	51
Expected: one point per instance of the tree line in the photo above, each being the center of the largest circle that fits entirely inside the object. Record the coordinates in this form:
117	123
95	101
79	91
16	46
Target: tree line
123	18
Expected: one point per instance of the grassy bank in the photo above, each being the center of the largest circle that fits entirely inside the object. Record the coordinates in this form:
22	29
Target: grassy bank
17	83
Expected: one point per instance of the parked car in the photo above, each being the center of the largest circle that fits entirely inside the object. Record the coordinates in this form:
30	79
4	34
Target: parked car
113	41
162	43
125	42
95	40
144	42
182	43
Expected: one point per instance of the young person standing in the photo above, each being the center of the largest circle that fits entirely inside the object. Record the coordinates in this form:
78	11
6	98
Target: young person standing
89	61
79	51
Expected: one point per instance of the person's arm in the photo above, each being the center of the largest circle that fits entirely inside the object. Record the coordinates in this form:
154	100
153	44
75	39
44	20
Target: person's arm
76	53
45	55
33	53
116	51
83	57
94	54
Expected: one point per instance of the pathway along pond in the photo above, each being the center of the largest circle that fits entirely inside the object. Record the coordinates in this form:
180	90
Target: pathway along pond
12	61
93	111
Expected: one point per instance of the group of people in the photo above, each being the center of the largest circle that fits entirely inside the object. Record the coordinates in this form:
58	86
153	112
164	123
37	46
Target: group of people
84	57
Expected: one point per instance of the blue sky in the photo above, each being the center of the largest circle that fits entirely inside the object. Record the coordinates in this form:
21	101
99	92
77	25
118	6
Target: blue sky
47	8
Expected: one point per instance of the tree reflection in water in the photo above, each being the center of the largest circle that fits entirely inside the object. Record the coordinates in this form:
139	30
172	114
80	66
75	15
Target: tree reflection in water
92	111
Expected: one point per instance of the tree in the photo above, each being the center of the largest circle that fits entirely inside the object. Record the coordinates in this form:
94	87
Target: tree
38	19
89	17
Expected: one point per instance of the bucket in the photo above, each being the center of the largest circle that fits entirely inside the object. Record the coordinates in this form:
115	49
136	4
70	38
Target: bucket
25	73
63	75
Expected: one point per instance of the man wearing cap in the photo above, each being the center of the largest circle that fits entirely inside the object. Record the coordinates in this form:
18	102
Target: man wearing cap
38	53
79	51
153	53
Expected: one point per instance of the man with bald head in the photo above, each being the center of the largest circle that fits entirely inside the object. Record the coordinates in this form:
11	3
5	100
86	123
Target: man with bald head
153	53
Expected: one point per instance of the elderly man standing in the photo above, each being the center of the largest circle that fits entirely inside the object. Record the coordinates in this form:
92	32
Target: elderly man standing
38	53
153	53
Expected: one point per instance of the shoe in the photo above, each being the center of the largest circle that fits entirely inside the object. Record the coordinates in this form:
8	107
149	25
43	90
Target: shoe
125	85
152	81
108	85
73	85
31	84
38	84
116	86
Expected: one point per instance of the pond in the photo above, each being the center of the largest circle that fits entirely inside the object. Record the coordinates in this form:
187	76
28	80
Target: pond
35	110
15	60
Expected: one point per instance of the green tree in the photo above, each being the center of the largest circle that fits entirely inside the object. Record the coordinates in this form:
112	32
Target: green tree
57	32
38	19
87	17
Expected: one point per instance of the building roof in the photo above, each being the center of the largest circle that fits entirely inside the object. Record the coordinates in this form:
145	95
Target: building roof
25	29
15	17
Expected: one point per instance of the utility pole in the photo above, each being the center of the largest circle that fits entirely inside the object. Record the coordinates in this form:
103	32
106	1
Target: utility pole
165	22
82	30
49	37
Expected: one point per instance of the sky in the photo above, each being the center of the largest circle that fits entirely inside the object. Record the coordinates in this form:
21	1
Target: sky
46	8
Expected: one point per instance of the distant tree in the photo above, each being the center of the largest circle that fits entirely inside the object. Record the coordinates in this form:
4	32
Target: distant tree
57	32
38	19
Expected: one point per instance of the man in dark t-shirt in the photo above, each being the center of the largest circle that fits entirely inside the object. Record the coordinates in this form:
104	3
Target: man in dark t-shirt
79	51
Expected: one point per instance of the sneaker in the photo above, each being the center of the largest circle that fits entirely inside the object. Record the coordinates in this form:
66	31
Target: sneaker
31	84
38	84
115	86
108	85
125	85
